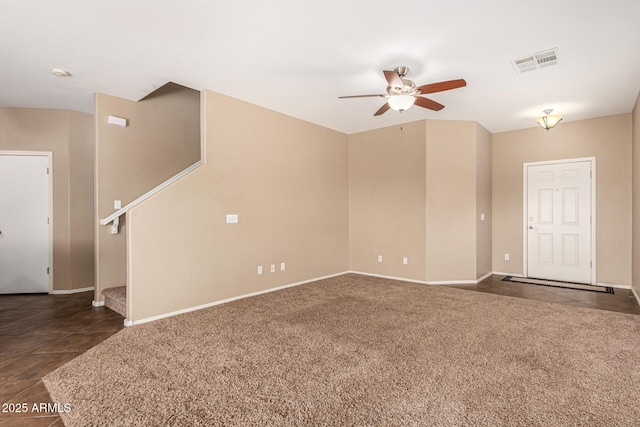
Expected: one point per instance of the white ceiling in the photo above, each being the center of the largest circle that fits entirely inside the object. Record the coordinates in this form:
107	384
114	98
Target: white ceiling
297	57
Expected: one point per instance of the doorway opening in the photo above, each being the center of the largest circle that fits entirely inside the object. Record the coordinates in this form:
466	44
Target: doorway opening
26	243
559	220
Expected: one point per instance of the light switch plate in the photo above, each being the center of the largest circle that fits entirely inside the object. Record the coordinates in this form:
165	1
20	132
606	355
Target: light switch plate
282	266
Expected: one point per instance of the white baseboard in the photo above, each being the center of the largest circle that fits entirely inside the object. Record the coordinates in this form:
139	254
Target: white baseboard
438	282
97	303
508	274
460	282
128	322
635	294
489	274
613	285
72	291
451	282
387	277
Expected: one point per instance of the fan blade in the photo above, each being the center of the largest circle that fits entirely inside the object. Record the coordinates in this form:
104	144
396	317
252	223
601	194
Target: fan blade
382	109
393	79
428	103
442	86
361	96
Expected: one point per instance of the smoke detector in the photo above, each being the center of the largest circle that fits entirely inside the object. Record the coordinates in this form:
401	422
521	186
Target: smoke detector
535	61
59	72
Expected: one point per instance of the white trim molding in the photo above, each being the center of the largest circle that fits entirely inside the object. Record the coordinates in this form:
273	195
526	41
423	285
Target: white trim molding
72	291
431	282
614	285
149	193
388	277
49	155
635	294
451	282
500	273
128	322
525	189
481	278
461	282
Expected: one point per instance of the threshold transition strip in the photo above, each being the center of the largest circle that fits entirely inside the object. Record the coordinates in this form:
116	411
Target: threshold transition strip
559	284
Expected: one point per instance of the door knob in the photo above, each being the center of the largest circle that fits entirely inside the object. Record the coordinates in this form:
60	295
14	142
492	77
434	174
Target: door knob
531	227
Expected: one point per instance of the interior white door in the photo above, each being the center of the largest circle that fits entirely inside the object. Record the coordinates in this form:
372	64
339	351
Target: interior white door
24	229
559	221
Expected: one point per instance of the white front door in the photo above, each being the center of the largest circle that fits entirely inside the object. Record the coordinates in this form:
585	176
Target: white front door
24	228
558	223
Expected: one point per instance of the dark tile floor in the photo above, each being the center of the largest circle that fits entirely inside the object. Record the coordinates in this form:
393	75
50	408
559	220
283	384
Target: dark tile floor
38	333
622	300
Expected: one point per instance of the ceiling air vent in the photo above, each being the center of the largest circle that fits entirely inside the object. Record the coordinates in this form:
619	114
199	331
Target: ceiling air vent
536	61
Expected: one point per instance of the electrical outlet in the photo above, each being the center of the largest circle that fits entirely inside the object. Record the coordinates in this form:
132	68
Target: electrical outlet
282	266
481	217
379	258
273	268
117	204
506	257
405	260
259	269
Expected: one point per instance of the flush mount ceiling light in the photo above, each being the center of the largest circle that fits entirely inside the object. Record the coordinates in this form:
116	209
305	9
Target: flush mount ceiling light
60	72
549	120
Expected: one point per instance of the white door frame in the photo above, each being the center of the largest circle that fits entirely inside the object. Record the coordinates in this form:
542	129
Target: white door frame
49	156
525	190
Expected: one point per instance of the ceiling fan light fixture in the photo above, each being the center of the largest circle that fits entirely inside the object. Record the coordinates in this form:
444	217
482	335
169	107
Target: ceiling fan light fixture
402	93
401	102
549	120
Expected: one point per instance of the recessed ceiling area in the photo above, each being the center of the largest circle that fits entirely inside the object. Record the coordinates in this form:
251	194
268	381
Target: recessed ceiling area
299	57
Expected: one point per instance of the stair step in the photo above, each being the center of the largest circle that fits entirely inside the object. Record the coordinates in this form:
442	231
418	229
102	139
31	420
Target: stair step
116	299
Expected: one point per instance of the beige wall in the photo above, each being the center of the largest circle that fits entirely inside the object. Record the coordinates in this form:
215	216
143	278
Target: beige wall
4	124
451	200
606	138
420	195
81	198
483	202
162	138
636	196
387	201
285	178
69	136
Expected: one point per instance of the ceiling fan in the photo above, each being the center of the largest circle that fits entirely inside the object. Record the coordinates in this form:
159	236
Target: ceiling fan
402	93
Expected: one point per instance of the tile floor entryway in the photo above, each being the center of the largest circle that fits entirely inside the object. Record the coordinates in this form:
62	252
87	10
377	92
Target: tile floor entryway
622	300
38	333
